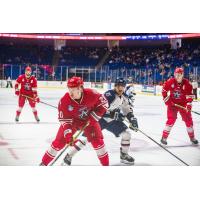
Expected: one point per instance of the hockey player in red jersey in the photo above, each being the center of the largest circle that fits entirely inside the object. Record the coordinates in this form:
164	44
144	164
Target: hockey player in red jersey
77	107
28	88
180	93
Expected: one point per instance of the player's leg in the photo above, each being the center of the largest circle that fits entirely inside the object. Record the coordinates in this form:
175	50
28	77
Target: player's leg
118	128
34	110
21	102
77	146
80	144
102	154
187	118
95	136
125	145
56	146
171	119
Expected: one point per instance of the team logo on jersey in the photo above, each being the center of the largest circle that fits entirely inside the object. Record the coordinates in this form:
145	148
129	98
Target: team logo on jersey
83	112
108	94
177	94
27	86
70	108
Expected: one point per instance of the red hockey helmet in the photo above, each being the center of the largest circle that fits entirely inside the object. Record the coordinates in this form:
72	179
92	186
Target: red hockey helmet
28	69
74	82
178	74
179	70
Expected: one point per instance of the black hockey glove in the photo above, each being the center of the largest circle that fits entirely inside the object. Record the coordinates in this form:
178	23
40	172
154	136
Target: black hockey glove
117	115
133	121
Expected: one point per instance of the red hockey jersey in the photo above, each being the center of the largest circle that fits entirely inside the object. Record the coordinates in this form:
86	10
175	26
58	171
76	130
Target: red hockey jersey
75	114
180	93
28	86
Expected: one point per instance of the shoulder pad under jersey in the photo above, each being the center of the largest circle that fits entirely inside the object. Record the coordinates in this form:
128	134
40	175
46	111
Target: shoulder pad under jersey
110	96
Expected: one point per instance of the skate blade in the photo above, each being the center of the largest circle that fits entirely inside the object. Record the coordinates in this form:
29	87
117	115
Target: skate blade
64	164
164	145
195	145
127	163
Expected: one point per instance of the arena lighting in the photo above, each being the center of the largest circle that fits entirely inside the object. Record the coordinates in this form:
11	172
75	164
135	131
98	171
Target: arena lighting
95	37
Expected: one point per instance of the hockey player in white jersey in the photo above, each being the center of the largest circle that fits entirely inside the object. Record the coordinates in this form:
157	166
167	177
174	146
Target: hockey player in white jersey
119	109
130	92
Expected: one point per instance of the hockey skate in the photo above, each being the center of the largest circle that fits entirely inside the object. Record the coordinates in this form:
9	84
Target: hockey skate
125	158
163	141
16	118
41	164
37	118
67	160
194	141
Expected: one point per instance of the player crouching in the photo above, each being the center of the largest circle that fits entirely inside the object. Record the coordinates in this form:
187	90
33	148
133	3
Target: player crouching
28	91
76	108
180	93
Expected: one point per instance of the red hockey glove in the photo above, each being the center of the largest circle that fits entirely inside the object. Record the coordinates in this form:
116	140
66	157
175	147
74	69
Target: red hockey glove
189	107
37	99
68	135
17	92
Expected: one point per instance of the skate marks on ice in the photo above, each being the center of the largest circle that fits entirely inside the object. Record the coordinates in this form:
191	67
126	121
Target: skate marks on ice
3	142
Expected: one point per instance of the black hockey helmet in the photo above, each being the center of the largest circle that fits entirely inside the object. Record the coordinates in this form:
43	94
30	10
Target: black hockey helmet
120	81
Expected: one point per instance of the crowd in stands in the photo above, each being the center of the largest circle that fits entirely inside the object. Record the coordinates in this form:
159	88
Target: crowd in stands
23	54
80	56
148	65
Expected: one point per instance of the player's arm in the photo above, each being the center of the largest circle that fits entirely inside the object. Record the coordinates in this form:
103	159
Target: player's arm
128	112
100	107
17	83
189	95
66	121
34	89
166	98
112	112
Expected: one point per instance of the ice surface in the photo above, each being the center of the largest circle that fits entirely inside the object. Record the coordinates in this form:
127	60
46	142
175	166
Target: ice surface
24	143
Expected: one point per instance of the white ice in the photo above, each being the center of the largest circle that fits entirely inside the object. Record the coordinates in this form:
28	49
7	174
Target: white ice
24	143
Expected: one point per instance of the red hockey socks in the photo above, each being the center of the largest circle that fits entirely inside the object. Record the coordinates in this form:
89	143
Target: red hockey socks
166	131
101	151
49	155
190	131
18	113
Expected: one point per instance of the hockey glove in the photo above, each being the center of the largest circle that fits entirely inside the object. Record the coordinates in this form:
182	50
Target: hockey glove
68	135
189	107
17	92
133	121
37	99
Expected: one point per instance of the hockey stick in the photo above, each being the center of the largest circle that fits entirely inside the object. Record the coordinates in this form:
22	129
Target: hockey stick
179	106
130	126
74	138
39	102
